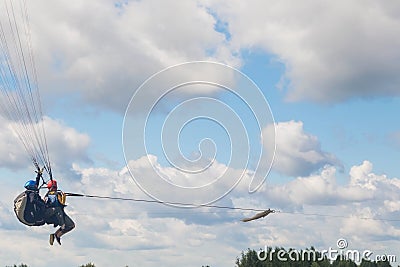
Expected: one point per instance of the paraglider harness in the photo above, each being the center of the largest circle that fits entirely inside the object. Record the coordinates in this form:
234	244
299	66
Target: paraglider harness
29	207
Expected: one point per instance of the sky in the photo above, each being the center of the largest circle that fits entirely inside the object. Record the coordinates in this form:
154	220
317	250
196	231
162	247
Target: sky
259	104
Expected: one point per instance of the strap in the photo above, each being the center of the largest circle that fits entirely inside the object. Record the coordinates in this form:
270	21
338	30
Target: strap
40	176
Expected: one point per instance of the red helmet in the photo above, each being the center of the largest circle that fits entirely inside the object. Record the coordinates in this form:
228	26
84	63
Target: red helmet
52	184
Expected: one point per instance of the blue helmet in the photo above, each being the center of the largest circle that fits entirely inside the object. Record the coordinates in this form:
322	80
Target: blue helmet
30	185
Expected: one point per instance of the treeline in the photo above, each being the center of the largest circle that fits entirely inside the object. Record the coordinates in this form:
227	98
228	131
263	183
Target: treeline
280	257
24	265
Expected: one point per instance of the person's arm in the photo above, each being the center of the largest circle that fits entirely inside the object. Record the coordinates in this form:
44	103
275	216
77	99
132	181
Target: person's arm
38	176
31	196
45	198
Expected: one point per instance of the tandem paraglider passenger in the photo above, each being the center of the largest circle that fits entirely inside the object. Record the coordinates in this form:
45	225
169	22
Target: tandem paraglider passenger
55	214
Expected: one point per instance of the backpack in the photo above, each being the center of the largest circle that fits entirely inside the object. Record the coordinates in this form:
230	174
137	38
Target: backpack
29	208
55	199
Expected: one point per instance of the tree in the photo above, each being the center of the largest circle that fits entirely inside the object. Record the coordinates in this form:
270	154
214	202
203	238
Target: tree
280	257
367	263
249	259
383	264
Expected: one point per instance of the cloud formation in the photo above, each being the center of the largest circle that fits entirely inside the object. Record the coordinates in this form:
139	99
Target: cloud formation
66	146
339	52
297	153
109	230
332	51
364	190
13	154
107	50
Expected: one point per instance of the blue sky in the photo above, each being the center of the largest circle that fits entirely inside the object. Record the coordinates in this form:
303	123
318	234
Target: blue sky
328	71
354	130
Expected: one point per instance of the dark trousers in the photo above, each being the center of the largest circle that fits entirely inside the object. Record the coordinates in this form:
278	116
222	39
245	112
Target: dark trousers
57	215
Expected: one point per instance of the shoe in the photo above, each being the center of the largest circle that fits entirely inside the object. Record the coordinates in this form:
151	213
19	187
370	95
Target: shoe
58	239
51	240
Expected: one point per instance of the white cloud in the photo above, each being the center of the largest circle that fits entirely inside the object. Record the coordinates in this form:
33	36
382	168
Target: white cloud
105	51
354	210
332	51
109	230
297	153
13	154
363	177
183	186
7	219
319	188
322	188
103	56
65	144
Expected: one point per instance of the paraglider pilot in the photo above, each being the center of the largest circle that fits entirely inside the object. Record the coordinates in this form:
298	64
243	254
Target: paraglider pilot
55	214
34	208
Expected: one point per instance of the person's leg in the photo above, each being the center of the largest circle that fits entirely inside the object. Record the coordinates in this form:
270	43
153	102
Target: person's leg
60	216
65	228
68	224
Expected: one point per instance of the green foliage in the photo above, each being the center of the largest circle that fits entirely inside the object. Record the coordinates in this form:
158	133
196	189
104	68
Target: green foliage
86	265
383	264
249	258
280	257
343	263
